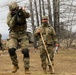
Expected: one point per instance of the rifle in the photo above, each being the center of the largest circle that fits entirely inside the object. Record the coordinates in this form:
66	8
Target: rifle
18	12
16	15
47	53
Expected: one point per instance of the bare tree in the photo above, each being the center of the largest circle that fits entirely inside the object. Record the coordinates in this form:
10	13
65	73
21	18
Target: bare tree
32	15
32	21
43	7
56	15
40	11
49	12
37	18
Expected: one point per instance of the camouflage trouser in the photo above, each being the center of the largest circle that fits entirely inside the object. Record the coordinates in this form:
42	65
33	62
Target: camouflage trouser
13	42
14	60
43	55
26	63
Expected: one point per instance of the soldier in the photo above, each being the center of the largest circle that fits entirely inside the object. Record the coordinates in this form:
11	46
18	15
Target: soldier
1	42
16	21
48	34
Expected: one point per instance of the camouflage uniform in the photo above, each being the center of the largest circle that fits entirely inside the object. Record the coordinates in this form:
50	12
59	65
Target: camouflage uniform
16	21
48	34
0	41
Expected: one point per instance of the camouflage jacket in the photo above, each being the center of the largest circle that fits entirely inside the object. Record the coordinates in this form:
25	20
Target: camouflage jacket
48	34
17	24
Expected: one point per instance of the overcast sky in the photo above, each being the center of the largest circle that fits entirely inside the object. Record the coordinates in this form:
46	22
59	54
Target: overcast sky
3	16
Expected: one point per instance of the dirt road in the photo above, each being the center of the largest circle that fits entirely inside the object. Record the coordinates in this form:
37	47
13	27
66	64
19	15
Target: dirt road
65	63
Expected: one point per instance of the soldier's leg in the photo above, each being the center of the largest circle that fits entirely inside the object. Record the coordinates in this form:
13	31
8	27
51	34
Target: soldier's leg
51	53
26	56
43	59
12	44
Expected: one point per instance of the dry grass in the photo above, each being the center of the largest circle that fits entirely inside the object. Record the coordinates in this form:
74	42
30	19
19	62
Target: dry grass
65	63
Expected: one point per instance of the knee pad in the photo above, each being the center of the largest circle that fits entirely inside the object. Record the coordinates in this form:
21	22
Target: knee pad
26	53
12	51
0	44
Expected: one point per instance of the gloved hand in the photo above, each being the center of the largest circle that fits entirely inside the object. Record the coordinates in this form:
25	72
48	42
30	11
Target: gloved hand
38	31
56	48
57	45
23	8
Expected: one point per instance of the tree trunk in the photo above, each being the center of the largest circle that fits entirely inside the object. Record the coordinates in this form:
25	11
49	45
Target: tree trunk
32	15
56	16
40	11
32	22
43	7
37	18
49	12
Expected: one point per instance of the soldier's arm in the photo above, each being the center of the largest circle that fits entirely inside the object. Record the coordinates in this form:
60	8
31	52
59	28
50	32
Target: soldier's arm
27	15
11	20
54	35
37	31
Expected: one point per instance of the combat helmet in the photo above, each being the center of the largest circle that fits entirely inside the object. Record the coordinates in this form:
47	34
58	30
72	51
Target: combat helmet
13	5
45	18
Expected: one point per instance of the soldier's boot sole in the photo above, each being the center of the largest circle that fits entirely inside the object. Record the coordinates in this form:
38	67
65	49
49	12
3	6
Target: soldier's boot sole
44	71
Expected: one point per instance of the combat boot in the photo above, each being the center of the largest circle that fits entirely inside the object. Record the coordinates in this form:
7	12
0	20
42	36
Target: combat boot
27	71
44	71
15	68
50	70
52	63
